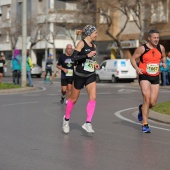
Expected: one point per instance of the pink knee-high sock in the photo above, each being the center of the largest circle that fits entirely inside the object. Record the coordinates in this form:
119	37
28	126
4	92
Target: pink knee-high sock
91	105
69	108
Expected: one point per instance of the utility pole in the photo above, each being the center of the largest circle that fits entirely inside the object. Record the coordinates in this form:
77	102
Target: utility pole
24	42
46	49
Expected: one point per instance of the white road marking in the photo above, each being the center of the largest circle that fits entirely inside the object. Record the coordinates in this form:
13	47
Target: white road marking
14	104
118	114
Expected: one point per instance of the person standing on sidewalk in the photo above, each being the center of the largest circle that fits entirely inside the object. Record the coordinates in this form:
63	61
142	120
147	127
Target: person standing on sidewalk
168	66
2	64
84	75
49	64
29	66
66	65
150	54
16	66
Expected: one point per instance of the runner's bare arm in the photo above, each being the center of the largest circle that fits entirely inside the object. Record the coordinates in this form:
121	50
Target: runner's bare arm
139	51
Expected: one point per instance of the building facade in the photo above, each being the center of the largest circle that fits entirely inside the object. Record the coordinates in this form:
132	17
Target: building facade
141	17
51	25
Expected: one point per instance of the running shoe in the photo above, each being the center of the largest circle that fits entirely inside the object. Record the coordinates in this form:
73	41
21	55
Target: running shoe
66	128
146	129
140	113
88	127
62	100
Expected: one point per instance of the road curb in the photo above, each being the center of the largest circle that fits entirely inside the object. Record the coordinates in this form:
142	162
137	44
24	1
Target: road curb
17	90
158	117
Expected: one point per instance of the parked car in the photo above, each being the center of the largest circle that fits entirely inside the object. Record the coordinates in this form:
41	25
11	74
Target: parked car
8	69
36	71
115	69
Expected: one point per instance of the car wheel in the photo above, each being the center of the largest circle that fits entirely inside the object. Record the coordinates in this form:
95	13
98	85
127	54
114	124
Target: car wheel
114	79
97	78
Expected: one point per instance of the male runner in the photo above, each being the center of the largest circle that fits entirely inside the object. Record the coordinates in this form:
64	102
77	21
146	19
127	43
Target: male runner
66	65
150	55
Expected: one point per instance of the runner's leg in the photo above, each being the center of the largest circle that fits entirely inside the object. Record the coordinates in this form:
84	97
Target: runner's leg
146	92
71	101
154	94
91	90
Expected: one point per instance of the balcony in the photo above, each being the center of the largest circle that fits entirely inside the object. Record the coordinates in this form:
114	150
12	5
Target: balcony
5	2
69	17
5	23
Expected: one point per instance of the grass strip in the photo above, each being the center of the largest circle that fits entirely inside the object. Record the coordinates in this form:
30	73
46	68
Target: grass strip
8	86
163	108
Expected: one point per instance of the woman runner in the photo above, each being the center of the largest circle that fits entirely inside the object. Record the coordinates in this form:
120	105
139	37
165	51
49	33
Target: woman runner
84	75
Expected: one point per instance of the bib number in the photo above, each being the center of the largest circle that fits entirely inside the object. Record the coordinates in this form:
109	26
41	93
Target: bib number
70	72
152	68
48	65
89	65
1	64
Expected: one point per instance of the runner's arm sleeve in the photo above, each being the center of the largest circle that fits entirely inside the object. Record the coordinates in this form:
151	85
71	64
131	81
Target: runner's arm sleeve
77	56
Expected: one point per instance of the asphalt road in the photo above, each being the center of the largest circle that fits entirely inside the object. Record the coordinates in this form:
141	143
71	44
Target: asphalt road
31	136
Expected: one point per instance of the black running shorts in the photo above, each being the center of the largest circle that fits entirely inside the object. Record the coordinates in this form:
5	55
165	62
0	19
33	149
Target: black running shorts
80	82
151	79
65	82
50	71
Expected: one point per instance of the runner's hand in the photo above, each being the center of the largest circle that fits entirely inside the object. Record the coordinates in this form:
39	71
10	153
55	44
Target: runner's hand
96	66
65	70
139	71
164	65
91	54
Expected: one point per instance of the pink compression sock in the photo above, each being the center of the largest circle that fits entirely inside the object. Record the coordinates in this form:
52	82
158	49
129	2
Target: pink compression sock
90	110
69	108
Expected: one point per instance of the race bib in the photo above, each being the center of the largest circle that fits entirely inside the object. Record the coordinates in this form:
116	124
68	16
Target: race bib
152	68
89	65
1	64
70	72
48	65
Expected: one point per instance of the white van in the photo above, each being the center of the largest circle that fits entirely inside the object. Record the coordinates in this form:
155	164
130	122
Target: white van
115	69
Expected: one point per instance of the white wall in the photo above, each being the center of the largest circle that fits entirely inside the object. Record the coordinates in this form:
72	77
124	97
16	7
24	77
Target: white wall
5	2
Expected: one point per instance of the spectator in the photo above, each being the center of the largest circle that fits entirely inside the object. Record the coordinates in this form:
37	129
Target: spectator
164	75
29	66
49	64
168	66
2	64
16	66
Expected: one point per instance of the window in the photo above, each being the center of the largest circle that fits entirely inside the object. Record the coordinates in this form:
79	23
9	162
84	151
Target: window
0	13
40	6
8	13
159	11
103	16
7	37
132	15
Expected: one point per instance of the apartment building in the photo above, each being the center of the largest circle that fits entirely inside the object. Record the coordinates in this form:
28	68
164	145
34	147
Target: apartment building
160	19
51	25
153	14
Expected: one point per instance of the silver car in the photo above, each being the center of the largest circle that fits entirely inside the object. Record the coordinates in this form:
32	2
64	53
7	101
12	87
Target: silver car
36	71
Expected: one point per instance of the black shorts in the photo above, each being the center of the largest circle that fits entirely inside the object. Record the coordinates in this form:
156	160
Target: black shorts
65	82
151	79
50	71
80	82
2	71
